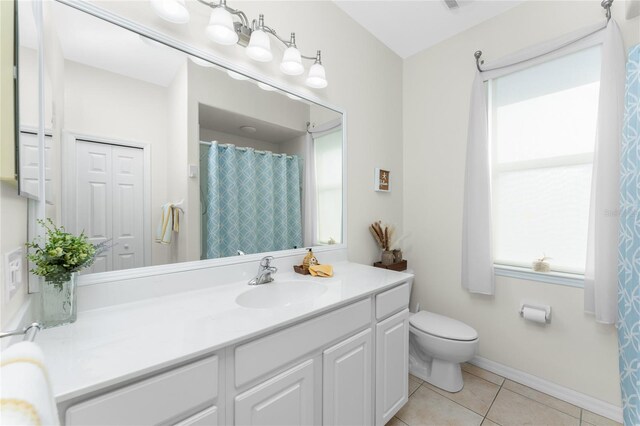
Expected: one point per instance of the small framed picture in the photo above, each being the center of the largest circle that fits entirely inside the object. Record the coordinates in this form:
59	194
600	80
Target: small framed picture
382	180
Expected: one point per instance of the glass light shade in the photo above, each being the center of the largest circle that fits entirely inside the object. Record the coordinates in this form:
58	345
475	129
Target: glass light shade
259	48
201	62
316	77
266	87
220	28
171	10
236	76
294	97
291	62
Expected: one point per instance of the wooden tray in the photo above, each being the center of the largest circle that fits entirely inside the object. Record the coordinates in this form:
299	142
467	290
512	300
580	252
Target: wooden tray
399	266
301	269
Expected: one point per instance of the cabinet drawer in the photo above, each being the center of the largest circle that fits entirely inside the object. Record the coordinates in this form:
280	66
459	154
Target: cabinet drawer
269	353
208	417
152	401
392	301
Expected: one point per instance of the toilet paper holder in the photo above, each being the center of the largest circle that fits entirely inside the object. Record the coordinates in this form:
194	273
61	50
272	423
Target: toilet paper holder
545	308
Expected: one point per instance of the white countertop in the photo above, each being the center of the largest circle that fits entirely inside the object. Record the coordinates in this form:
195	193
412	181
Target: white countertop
109	345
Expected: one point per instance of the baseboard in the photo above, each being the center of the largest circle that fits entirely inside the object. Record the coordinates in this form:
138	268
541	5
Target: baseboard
581	400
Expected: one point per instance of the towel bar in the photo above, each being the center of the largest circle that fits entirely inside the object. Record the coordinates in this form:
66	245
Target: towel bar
29	332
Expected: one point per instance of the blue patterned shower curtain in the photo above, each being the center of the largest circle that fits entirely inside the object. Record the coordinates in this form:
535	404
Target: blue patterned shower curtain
629	247
252	202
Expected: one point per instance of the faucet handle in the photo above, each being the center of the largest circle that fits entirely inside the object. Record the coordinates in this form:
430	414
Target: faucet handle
265	262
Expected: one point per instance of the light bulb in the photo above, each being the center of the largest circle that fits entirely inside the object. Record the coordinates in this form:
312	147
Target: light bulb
171	10
220	28
259	48
316	77
291	62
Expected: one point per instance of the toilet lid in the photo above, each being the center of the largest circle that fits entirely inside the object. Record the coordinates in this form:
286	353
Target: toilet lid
441	326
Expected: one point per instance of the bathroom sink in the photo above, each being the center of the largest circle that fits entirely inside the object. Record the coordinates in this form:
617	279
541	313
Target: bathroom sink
280	294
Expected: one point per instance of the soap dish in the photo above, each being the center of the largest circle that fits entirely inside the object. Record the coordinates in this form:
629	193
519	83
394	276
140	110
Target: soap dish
301	269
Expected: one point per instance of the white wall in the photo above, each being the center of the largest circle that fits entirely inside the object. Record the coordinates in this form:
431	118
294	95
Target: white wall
365	78
102	104
573	351
209	135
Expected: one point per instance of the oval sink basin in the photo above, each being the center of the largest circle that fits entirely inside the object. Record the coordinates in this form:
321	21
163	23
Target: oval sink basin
280	295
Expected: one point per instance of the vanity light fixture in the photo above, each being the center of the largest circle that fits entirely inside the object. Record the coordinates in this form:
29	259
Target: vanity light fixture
171	10
220	28
317	78
228	26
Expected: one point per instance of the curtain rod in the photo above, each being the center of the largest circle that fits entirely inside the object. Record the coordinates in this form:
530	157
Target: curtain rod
606	5
240	148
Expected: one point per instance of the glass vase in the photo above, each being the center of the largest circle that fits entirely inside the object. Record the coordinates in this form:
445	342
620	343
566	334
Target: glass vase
58	302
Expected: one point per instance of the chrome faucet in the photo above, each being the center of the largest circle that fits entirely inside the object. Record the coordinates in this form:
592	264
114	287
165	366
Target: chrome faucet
264	272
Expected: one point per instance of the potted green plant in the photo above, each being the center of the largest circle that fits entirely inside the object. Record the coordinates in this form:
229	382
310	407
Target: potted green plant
58	259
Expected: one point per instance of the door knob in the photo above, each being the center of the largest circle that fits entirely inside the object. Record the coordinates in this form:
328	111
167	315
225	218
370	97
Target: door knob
126	246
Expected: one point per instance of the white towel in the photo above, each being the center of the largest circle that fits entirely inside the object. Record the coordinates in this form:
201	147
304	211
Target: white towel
26	397
165	226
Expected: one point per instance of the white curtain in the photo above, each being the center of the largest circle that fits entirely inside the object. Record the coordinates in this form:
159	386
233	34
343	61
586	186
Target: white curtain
477	257
601	274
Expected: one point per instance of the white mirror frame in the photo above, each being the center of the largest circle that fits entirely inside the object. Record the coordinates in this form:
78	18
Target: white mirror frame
105	277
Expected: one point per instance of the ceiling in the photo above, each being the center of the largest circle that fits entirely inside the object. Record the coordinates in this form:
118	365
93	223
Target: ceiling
230	122
407	27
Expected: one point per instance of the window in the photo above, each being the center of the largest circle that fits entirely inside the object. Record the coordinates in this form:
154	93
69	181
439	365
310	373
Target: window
328	162
542	125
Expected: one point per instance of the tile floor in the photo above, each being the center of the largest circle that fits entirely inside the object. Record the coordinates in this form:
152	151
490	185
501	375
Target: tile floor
488	399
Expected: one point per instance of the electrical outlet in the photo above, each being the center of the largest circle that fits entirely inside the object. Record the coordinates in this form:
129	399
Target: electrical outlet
13	273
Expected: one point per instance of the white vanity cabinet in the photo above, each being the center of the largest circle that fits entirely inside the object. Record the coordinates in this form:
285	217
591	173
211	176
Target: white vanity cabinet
347	382
188	394
392	351
392	356
347	366
285	400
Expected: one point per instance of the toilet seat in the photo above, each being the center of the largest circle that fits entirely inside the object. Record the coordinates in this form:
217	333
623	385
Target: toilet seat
442	327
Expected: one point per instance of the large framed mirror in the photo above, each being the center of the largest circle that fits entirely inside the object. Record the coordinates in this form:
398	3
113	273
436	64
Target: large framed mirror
169	157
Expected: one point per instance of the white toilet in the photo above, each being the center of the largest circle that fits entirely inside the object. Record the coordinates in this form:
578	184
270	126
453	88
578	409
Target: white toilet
437	346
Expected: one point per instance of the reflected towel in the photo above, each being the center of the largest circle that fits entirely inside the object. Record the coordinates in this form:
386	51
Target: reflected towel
321	270
165	226
26	397
175	225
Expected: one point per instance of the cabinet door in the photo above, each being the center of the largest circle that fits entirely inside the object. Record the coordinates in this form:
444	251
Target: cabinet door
392	365
346	382
286	399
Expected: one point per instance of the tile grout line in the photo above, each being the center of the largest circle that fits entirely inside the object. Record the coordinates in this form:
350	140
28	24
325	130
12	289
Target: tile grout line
445	396
494	400
542	403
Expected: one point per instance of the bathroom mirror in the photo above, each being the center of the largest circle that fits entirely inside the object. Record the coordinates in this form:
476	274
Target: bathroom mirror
170	158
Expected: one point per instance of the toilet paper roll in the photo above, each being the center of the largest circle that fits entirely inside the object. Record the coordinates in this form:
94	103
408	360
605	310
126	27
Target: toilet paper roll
535	315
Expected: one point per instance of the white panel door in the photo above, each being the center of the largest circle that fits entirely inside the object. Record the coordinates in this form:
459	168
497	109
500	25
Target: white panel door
128	195
110	201
285	400
392	366
94	198
30	163
346	382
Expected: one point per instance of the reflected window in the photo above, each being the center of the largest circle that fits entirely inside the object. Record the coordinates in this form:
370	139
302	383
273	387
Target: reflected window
328	162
